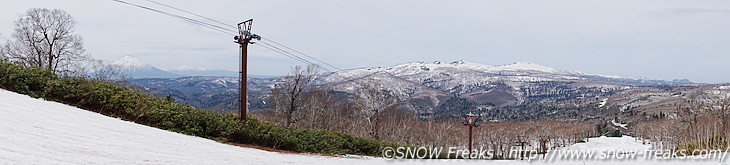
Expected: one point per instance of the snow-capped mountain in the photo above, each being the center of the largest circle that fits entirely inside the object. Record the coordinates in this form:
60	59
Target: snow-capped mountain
199	71
426	86
437	87
458	75
134	67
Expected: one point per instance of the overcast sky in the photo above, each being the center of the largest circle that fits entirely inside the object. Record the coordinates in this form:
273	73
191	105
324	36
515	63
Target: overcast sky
659	39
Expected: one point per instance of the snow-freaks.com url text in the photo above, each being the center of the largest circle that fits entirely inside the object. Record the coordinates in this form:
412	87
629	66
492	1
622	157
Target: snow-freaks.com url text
482	153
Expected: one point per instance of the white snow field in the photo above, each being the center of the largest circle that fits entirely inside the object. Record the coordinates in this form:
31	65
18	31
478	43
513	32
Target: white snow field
610	143
35	131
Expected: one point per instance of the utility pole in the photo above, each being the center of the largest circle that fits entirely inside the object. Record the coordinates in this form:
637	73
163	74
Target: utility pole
243	39
470	120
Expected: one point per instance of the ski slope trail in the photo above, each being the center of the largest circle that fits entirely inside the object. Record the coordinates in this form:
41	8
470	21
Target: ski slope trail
35	131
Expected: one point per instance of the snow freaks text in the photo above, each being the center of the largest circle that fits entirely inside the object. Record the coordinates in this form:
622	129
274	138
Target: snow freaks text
559	154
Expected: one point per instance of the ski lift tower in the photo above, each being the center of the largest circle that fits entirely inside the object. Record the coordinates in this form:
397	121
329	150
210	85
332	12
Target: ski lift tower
243	39
470	120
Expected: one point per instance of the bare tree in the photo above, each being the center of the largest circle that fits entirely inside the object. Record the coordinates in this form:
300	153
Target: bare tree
45	38
373	100
724	110
322	109
2	50
287	96
99	70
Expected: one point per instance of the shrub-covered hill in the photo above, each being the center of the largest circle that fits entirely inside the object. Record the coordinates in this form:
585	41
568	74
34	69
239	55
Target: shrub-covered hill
129	104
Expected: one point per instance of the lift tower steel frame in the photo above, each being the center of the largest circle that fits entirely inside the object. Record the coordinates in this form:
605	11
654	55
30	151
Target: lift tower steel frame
243	39
470	120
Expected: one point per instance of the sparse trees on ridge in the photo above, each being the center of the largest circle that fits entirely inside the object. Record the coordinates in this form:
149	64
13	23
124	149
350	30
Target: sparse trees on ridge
99	70
372	111
287	97
373	100
700	123
321	109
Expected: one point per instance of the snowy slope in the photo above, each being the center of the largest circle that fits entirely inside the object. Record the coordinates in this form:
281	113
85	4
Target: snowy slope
604	143
527	66
34	131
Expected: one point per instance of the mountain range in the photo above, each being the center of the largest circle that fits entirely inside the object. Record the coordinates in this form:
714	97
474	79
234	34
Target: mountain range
445	89
133	67
199	71
426	87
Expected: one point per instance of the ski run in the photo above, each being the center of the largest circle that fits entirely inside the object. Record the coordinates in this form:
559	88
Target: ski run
35	131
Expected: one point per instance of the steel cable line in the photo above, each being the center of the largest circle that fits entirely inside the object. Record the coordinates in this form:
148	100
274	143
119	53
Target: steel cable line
280	51
277	50
217	28
294	50
343	80
283	52
201	23
224	30
224	24
286	52
198	15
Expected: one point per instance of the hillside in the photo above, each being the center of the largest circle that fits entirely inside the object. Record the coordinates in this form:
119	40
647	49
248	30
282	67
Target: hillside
35	131
217	93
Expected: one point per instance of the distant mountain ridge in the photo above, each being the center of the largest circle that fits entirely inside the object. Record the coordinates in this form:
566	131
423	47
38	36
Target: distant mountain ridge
440	88
133	67
425	87
199	71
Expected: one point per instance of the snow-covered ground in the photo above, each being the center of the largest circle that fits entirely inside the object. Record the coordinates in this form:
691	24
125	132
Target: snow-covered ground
603	102
604	143
617	124
34	131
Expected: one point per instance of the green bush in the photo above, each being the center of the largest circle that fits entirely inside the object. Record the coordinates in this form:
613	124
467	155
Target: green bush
303	140
129	104
24	80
